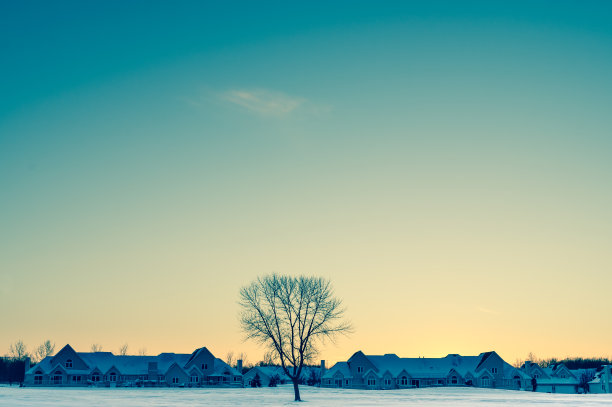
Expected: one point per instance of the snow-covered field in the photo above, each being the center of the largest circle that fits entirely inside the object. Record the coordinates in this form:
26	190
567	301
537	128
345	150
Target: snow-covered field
283	396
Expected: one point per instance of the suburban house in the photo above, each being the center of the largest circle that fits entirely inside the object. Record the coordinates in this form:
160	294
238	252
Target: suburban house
392	372
266	373
602	383
556	378
71	368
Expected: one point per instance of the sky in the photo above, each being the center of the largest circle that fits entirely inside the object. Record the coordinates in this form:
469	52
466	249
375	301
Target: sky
445	164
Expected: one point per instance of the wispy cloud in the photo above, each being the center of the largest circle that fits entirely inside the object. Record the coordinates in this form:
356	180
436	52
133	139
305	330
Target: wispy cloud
263	102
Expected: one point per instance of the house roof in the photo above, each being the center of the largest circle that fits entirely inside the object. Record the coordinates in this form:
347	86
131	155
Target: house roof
131	365
427	368
340	367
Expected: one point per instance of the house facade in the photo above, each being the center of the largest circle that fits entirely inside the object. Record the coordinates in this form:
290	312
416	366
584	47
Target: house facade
602	383
104	369
553	379
392	372
266	373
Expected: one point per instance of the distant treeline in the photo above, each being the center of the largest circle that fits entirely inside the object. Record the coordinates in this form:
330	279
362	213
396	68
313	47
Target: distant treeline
571	363
577	363
11	370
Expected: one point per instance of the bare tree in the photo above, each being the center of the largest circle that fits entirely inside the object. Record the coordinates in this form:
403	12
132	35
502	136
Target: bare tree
141	352
531	357
45	349
229	358
96	347
123	350
18	350
585	378
291	316
269	359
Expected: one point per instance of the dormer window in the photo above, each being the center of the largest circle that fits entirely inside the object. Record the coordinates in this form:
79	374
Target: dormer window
68	363
494	370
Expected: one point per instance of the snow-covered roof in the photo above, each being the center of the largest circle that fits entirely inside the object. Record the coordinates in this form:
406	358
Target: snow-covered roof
426	368
340	367
222	368
129	365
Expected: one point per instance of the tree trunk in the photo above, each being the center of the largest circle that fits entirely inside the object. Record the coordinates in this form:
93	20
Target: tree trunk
296	390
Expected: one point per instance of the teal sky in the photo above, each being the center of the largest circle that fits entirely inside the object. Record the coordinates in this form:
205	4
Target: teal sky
446	164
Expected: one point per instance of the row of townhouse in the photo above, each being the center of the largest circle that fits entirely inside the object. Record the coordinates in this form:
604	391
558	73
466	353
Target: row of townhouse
559	379
264	375
392	372
71	368
202	368
486	370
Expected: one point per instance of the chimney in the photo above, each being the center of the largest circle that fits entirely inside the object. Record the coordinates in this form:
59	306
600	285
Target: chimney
607	376
27	363
239	366
322	368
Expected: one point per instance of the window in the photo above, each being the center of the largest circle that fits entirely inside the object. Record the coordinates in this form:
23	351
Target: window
359	369
371	382
440	381
414	382
204	366
112	377
194	379
95	377
454	380
76	379
387	382
485	382
494	370
57	378
68	363
38	378
346	382
175	380
563	376
404	381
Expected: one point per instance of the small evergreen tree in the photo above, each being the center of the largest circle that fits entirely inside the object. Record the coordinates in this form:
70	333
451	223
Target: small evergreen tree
274	381
256	382
313	379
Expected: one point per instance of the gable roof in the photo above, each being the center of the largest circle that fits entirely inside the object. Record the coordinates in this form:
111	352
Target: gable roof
425	367
129	364
483	357
340	367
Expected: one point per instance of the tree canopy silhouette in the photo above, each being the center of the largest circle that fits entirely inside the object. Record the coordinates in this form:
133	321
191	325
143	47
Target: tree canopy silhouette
291	316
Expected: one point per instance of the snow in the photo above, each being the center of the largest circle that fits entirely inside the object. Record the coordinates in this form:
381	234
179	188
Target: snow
283	396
